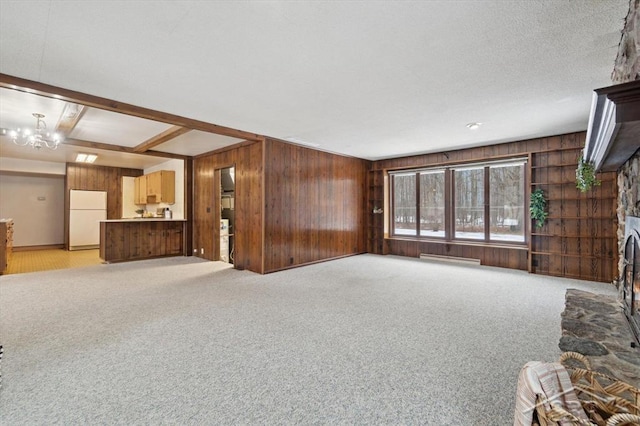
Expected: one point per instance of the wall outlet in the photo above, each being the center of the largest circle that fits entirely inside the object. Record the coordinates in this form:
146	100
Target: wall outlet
202	250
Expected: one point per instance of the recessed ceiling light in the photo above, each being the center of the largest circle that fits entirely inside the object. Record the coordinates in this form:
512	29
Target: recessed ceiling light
86	158
474	126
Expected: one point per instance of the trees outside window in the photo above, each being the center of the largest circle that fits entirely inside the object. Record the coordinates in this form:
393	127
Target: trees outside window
507	203
432	204
404	204
469	203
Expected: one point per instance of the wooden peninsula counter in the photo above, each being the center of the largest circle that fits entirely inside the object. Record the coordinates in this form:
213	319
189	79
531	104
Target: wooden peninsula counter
144	238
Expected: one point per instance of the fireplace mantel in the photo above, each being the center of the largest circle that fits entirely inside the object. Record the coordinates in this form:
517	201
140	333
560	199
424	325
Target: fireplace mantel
614	126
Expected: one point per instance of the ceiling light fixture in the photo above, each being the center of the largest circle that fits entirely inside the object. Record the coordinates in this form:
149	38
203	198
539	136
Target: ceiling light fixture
35	138
86	158
474	126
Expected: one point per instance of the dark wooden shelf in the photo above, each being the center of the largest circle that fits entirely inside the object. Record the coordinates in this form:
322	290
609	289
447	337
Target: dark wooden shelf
546	151
581	217
581	198
567	182
535	234
555	253
537	269
550	166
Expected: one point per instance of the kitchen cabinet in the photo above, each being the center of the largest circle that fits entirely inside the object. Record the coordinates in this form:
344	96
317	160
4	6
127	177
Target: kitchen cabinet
136	239
174	238
161	187
156	187
140	190
6	243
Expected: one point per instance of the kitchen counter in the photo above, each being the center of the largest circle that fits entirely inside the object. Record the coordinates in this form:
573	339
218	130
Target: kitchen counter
135	239
144	219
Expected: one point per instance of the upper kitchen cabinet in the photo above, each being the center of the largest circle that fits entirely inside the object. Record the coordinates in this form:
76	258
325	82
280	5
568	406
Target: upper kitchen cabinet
156	187
140	190
161	187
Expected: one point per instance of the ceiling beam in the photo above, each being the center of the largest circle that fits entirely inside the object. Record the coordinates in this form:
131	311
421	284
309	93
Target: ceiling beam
42	89
109	147
171	133
71	115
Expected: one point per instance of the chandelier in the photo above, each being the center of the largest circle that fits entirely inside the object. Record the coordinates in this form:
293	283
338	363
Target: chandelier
36	138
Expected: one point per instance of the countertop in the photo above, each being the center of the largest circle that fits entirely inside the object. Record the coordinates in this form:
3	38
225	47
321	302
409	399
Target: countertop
145	219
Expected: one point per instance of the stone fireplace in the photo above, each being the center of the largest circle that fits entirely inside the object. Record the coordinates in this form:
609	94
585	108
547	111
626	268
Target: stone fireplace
630	280
606	329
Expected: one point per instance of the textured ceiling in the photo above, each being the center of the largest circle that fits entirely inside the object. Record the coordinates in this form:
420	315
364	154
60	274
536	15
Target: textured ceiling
370	79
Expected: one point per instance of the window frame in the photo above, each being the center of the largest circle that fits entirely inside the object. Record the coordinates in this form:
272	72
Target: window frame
449	201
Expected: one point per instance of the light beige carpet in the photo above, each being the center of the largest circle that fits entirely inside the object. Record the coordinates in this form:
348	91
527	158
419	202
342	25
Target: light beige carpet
362	340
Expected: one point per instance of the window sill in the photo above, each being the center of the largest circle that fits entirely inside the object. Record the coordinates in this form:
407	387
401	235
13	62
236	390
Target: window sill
492	244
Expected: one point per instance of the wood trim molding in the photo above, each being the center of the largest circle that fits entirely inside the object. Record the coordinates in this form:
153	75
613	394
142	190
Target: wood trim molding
118	148
42	89
159	139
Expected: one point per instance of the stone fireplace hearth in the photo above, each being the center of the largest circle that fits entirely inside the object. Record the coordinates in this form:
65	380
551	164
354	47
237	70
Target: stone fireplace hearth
595	326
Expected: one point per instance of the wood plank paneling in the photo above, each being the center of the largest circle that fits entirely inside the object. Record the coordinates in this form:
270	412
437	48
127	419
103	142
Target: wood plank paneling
578	240
315	205
88	177
142	239
247	159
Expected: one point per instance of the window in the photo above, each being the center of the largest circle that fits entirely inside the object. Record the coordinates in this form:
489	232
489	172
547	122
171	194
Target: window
469	203
432	203
481	202
506	206
404	202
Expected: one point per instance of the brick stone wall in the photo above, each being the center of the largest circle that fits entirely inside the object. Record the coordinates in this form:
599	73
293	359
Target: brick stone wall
627	68
627	65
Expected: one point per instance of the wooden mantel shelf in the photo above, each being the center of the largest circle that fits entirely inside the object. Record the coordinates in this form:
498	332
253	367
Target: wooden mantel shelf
614	126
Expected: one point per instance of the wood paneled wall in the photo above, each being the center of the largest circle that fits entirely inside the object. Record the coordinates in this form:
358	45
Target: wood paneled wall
247	159
293	206
315	205
96	178
578	240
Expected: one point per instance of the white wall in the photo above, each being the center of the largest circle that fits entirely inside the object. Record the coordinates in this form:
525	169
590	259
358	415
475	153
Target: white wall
36	205
128	195
178	208
32	166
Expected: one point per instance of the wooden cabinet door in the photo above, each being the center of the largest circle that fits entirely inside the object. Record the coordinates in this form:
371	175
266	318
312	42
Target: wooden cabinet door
173	237
154	244
112	248
132	241
168	183
140	194
154	184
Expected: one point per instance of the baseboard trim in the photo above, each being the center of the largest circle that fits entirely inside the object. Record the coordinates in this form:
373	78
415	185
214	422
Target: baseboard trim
45	247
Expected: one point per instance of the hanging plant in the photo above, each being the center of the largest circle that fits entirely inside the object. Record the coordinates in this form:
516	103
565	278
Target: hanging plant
586	175
537	207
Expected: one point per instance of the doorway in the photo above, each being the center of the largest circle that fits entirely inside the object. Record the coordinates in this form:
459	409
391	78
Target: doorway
227	214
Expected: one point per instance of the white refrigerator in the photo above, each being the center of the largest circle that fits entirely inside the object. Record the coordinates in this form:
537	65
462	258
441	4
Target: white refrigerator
87	209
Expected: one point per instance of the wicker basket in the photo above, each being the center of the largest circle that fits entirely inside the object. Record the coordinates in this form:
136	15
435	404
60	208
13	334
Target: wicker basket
606	400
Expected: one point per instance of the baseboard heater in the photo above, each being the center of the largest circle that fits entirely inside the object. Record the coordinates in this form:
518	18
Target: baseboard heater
454	259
